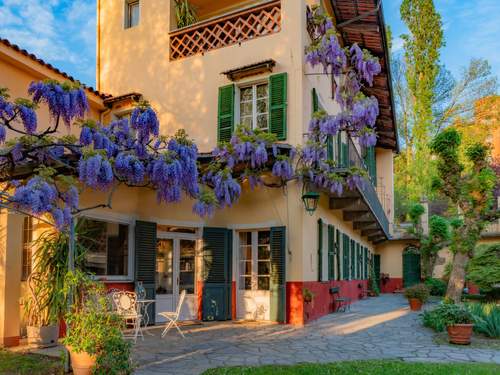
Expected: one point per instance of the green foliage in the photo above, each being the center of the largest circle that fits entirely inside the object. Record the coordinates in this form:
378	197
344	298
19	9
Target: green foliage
46	302
372	367
415	212
372	282
437	287
438	228
94	329
484	268
446	314
28	364
418	291
486	318
185	13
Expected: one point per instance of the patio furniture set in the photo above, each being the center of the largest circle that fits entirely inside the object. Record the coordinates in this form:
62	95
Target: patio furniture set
133	308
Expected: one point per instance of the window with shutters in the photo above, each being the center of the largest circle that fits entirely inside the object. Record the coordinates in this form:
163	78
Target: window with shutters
255	260
27	247
254	106
108	247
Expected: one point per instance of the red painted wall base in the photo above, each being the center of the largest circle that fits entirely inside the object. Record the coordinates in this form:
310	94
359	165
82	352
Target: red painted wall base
10	341
391	284
300	312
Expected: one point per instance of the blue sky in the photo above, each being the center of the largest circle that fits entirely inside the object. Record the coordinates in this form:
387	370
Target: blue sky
62	32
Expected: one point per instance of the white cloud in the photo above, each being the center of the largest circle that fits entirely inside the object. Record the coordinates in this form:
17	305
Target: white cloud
397	45
61	32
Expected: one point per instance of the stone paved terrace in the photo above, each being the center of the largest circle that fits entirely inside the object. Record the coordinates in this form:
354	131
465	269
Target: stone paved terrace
375	328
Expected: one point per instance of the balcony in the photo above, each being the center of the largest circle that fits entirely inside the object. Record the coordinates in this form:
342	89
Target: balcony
362	206
492	230
233	27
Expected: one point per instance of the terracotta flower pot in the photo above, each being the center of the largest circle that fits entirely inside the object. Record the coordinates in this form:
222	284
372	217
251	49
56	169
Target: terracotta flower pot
415	304
460	333
82	363
45	336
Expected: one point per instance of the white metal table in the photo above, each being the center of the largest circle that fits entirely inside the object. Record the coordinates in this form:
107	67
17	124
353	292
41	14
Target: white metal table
142	308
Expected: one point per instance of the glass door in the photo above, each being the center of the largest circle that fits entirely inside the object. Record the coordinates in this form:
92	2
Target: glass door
175	272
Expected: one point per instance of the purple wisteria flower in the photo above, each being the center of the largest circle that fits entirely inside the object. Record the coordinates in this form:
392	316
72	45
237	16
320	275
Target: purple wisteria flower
95	171
129	168
283	168
143	119
203	209
3	134
66	101
28	118
367	66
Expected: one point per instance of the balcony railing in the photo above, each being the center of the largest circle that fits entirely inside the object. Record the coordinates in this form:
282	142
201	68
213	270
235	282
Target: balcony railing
346	154
226	30
492	230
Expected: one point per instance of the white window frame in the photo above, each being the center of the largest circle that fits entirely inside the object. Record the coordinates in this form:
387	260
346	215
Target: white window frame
255	257
254	85
118	219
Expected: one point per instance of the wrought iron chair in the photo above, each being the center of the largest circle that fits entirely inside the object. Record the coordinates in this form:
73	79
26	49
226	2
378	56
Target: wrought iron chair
126	306
173	316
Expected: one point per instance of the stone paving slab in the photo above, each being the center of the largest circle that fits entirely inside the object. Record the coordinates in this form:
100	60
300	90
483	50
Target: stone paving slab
376	328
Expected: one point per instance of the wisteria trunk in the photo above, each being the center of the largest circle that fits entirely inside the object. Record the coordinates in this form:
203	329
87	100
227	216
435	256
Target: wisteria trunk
457	277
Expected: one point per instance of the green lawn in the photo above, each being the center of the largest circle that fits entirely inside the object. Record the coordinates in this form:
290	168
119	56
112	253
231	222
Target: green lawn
364	368
22	363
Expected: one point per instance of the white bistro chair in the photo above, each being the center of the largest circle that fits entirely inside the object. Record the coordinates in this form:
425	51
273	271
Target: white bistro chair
173	316
126	307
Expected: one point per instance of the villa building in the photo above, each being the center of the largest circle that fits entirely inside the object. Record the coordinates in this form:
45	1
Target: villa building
242	62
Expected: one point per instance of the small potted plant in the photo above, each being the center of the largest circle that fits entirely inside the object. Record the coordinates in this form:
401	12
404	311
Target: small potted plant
308	295
94	338
417	295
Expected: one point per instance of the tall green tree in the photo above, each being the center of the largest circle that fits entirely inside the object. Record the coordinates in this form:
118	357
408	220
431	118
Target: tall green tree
470	190
422	49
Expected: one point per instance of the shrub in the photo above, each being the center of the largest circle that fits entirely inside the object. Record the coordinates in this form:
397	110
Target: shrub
437	287
484	268
95	330
446	314
486	318
419	291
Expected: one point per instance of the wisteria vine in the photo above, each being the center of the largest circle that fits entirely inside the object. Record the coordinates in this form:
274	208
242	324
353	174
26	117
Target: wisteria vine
44	173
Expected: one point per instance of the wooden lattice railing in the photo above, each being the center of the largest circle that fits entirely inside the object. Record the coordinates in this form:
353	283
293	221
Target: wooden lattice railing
234	28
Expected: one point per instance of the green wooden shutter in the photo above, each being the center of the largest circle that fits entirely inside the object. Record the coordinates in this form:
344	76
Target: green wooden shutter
315	101
359	261
331	252
366	262
278	105
411	269
145	260
376	269
344	150
353	260
217	265
225	122
278	274
345	256
320	250
371	164
337	252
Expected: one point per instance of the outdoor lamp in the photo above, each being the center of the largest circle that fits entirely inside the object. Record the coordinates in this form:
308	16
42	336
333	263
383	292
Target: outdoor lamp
310	200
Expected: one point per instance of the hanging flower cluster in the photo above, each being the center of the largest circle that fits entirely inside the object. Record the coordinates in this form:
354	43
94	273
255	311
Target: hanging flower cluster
351	68
248	155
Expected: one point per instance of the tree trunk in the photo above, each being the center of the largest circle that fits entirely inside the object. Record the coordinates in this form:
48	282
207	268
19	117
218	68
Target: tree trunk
457	277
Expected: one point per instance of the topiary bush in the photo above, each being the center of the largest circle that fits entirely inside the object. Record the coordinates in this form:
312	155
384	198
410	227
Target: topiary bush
437	287
419	291
484	269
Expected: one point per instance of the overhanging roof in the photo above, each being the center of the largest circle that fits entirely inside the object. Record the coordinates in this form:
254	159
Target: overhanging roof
362	22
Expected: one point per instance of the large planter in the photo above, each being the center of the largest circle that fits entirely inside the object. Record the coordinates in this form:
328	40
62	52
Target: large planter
45	336
460	333
82	363
415	304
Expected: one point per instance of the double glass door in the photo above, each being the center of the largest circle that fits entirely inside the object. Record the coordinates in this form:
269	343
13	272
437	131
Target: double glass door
175	272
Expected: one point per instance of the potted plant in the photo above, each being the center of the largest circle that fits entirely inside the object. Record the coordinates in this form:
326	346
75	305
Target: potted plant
185	13
94	338
308	295
417	295
459	323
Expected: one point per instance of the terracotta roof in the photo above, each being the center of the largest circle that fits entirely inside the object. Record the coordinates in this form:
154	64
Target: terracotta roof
362	22
51	67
